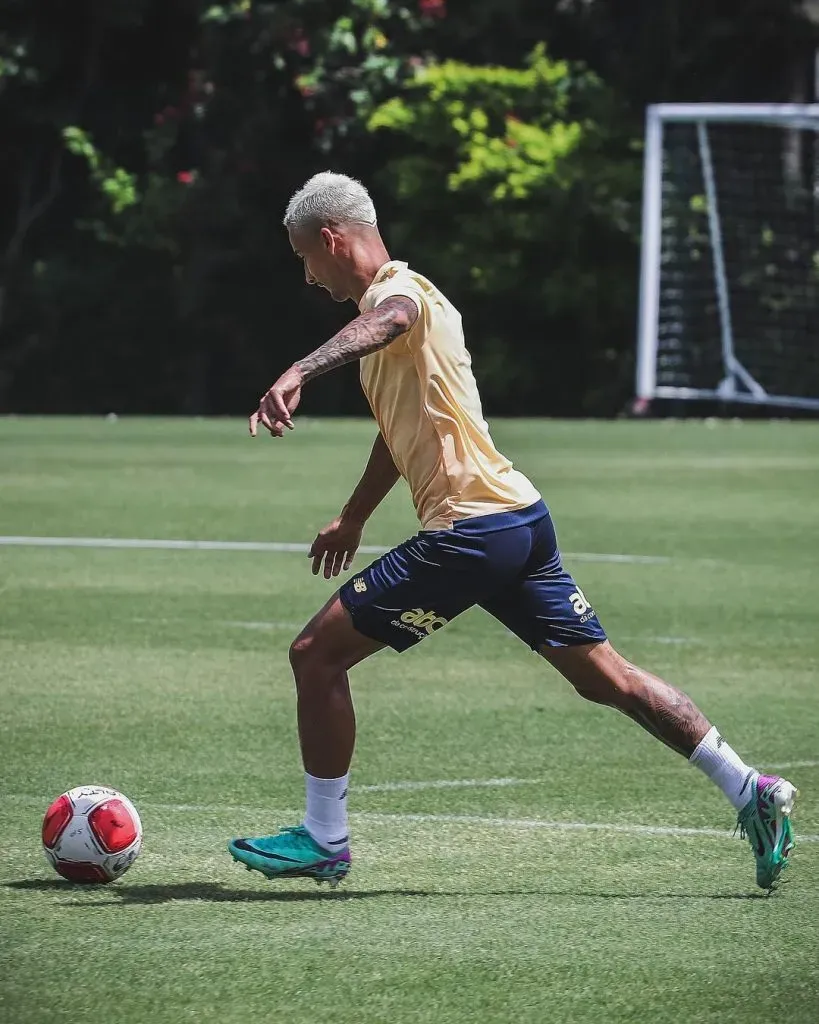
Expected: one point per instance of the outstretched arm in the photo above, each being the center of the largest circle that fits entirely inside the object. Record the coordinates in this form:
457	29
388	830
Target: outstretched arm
338	542
368	333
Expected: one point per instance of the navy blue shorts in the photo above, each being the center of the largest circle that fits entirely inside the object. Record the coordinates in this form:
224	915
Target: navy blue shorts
507	563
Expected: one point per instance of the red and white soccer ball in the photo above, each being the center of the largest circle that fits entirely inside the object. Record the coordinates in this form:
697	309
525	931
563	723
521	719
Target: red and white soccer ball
92	834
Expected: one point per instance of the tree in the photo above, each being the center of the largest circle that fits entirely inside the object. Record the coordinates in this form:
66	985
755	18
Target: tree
517	175
150	148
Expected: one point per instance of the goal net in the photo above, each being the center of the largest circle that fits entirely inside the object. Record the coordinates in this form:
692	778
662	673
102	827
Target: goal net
729	291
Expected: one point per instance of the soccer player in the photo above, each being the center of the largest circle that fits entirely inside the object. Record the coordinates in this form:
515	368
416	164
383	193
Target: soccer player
486	539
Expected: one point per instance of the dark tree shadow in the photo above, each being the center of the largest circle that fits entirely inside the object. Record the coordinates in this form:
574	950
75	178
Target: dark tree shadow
215	892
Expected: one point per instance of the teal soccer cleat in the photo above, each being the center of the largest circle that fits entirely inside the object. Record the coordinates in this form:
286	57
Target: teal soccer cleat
292	853
766	822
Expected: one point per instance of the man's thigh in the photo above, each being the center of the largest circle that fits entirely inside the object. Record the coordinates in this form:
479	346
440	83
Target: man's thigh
418	587
330	637
546	608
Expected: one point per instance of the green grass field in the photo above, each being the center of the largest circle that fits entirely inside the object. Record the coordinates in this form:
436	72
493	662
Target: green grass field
164	673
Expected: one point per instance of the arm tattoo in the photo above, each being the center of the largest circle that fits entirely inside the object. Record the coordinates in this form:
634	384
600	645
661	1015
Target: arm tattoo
368	333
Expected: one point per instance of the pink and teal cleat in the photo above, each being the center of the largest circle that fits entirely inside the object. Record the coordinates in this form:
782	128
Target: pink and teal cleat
291	853
766	822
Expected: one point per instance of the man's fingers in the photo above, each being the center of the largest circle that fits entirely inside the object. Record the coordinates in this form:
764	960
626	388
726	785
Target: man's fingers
274	426
348	559
318	547
254	419
278	405
332	564
317	563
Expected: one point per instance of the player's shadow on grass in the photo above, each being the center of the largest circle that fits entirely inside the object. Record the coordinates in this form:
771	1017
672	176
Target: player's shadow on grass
212	892
215	892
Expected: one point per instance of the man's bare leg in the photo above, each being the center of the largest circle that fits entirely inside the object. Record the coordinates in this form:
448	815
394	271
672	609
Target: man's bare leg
763	802
320	656
600	674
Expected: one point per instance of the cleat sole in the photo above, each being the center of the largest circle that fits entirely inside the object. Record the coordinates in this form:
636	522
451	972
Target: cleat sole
783	800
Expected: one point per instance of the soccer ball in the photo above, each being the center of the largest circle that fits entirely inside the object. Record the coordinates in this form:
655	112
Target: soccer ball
92	834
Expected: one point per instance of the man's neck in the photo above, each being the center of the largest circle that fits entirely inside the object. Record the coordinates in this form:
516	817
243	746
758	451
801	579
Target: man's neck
367	260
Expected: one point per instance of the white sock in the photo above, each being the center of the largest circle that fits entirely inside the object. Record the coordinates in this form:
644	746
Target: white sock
326	817
724	767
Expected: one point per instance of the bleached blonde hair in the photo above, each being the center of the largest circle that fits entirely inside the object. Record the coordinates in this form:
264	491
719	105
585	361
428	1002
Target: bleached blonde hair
329	198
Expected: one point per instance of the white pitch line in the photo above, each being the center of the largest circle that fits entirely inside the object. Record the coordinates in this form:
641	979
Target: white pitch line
262	625
559	826
593	556
393	787
165	545
271	546
424	784
632	829
444	819
793	764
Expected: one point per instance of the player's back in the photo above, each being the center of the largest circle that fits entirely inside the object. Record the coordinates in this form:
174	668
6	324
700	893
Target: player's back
424	396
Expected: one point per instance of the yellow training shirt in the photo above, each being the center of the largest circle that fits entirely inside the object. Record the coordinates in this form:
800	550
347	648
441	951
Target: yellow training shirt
424	397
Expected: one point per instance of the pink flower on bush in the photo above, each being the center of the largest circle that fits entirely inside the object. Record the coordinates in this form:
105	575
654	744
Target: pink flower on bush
432	8
299	43
185	177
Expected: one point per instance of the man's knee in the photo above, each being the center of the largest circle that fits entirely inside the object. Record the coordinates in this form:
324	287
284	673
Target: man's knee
612	685
329	646
598	674
312	658
304	651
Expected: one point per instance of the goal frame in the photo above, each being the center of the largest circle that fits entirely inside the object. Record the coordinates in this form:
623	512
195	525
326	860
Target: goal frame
737	384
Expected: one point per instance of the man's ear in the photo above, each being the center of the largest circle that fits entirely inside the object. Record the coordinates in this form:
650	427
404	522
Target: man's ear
329	240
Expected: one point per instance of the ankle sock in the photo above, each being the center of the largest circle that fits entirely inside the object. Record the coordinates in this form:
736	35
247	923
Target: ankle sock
326	816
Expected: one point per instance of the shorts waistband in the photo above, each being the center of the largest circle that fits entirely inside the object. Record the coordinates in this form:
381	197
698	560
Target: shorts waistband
501	520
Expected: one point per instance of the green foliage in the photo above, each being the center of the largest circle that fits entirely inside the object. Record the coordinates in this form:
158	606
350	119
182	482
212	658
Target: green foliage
129	212
352	62
479	113
224	13
512	139
514	183
115	183
517	174
13	61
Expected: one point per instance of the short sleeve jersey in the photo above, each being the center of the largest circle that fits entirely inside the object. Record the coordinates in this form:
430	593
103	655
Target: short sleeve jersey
425	400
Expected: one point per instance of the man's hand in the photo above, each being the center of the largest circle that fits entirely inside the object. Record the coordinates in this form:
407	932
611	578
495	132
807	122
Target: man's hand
278	404
336	544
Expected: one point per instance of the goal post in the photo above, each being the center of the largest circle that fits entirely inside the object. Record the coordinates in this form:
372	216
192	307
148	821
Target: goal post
729	279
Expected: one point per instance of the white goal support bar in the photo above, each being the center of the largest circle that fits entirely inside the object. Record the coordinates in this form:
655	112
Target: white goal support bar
737	385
